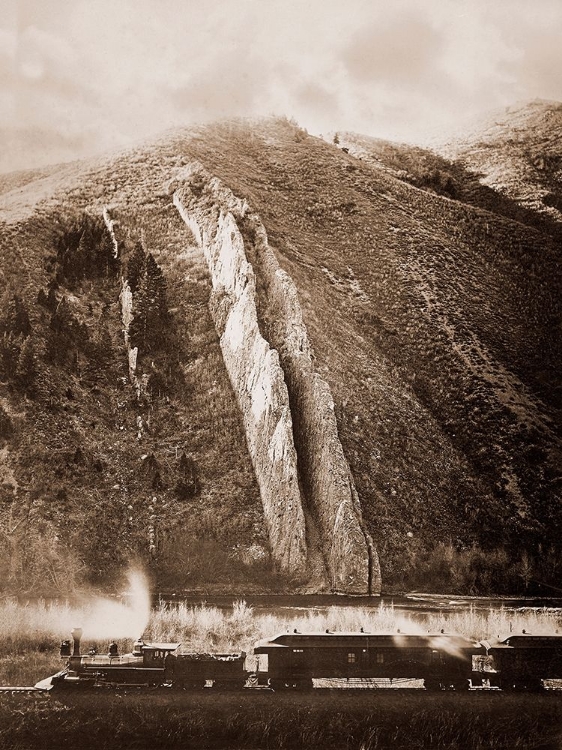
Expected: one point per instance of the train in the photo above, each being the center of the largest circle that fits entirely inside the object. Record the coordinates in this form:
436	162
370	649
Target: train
295	660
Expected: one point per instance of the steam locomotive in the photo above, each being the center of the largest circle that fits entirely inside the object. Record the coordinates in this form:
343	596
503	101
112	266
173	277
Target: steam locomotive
293	660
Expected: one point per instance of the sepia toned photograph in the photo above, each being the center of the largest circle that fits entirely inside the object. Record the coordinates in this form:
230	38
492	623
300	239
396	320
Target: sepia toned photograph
281	375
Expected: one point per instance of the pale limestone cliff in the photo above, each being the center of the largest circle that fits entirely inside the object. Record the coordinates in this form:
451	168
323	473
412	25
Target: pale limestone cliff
255	373
126	302
328	486
309	498
109	223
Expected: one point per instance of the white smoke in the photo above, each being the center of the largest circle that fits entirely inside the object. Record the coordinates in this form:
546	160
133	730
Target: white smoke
101	617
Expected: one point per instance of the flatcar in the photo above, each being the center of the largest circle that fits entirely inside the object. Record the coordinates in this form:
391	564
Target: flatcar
441	660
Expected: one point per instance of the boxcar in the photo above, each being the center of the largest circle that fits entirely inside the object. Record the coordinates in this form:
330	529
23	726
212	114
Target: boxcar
442	660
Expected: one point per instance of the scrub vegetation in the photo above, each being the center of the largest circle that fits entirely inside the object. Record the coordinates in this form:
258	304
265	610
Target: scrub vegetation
342	720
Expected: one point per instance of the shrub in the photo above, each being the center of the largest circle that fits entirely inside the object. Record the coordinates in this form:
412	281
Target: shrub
6	426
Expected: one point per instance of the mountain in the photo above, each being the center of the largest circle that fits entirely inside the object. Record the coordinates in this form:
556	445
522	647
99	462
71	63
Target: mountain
257	361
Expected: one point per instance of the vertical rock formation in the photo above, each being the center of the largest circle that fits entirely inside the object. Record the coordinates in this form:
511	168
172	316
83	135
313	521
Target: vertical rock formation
109	223
309	497
254	371
126	302
328	485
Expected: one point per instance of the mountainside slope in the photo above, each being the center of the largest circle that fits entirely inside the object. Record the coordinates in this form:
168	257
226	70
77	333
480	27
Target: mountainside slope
454	177
519	153
435	326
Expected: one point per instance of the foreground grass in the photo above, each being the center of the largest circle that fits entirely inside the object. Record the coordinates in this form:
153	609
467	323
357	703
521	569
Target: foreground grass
343	719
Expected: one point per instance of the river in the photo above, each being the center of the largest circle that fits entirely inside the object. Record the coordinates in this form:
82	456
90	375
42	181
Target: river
415	606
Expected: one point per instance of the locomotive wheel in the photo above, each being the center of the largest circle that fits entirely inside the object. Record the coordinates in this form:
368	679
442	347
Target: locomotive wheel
280	684
461	685
534	685
432	683
515	686
228	685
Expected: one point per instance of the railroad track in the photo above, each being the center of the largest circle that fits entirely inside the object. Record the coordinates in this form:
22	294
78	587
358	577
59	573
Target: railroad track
20	690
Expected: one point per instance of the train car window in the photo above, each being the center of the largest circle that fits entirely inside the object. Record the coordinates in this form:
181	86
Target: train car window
351	657
380	658
298	651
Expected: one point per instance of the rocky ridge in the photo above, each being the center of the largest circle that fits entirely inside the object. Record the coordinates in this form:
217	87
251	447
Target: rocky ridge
310	501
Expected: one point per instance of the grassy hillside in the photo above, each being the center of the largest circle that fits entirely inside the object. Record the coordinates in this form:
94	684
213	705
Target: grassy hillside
94	475
458	177
518	153
436	324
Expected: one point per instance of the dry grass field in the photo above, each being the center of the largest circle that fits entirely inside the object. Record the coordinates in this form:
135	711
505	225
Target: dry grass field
342	720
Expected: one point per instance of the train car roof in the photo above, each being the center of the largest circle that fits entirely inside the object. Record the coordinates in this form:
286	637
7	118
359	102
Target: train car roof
372	639
161	646
528	640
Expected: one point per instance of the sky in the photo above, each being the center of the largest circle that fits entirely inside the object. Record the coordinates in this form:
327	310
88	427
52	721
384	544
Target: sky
80	77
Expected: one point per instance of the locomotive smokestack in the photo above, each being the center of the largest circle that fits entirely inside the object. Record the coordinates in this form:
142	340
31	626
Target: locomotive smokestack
76	636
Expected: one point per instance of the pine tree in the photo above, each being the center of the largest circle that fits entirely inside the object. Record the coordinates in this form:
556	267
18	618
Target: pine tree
107	263
52	300
6	427
9	354
139	322
85	254
63	327
150	309
157	302
15	319
62	318
26	371
187	485
157	384
136	266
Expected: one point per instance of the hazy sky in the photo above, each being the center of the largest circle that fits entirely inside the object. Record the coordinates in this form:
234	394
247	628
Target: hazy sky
82	76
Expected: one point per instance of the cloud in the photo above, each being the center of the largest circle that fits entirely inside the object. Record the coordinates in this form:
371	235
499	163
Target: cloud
402	50
101	73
